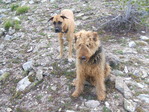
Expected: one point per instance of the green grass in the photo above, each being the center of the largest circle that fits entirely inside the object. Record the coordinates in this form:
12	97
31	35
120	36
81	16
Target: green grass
105	109
22	10
8	24
118	52
14	7
12	23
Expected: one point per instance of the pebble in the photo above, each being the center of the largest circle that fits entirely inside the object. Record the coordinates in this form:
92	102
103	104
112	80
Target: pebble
92	103
28	65
129	105
132	44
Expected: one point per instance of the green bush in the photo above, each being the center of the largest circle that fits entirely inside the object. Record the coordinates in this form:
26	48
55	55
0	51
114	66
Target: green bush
21	10
8	24
14	7
12	23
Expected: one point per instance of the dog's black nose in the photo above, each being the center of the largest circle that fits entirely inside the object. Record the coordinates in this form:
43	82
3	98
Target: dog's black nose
83	57
57	30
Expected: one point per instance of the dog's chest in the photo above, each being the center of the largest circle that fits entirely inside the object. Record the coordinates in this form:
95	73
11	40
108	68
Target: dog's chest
90	70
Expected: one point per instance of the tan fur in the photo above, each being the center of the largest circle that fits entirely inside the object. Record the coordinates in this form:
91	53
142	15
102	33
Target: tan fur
93	68
67	23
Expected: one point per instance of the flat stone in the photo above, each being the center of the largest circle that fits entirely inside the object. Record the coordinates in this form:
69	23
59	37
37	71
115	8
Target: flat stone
127	92
28	65
92	104
8	37
144	38
129	105
144	97
119	84
23	84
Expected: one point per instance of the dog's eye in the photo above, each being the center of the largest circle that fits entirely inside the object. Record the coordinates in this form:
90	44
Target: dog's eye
54	23
79	45
59	22
88	45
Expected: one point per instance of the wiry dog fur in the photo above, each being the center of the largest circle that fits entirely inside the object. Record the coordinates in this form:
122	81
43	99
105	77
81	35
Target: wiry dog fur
64	26
90	63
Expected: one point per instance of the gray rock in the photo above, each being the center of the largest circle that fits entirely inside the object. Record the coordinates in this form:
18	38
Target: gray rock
52	1
9	110
119	84
16	18
11	31
23	84
54	88
2	30
129	105
31	2
7	1
117	72
28	65
126	69
70	111
132	44
127	92
8	37
144	97
144	38
92	103
145	73
143	32
39	74
113	60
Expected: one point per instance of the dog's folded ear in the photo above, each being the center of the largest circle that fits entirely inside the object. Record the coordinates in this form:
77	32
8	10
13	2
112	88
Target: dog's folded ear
50	19
64	17
95	36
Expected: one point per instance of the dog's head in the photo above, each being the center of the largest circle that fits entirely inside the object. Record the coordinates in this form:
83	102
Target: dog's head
86	44
58	22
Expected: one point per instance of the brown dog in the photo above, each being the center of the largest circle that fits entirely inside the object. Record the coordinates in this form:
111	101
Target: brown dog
90	63
64	26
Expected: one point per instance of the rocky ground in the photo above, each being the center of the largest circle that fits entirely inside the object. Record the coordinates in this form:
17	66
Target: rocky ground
33	80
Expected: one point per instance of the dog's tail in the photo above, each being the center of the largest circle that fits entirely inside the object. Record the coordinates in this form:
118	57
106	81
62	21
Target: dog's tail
107	70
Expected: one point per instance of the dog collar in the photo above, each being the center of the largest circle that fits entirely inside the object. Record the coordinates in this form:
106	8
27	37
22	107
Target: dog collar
65	31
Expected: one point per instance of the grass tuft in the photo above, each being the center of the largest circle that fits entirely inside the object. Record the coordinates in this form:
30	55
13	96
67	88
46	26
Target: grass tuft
14	7
22	10
12	23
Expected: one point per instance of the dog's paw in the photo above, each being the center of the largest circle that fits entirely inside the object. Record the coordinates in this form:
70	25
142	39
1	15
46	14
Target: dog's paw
101	97
70	59
75	94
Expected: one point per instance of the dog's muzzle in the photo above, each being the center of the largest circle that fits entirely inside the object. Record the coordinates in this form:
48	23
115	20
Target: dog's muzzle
57	30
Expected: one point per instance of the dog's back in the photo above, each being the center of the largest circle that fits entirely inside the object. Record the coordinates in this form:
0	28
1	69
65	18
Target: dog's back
68	13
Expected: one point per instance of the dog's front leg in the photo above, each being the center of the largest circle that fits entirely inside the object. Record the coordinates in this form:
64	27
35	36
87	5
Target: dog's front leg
70	39
60	35
79	84
100	87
